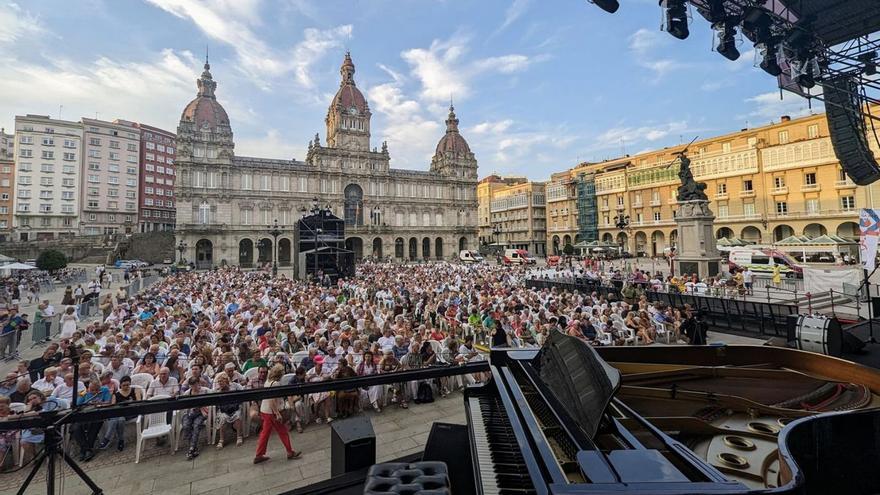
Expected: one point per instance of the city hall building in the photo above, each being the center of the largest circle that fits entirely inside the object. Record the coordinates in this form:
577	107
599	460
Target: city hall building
226	203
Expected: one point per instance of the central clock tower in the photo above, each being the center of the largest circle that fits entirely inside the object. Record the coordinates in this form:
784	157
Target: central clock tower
348	118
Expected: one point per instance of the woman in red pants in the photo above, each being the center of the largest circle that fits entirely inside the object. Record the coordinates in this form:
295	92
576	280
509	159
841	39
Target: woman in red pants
270	412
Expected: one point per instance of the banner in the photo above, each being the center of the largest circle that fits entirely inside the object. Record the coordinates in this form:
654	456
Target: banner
869	231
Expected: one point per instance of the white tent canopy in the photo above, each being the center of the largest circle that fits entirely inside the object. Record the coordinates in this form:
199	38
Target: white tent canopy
18	266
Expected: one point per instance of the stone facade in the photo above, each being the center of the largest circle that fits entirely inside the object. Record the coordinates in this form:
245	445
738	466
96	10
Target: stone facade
225	203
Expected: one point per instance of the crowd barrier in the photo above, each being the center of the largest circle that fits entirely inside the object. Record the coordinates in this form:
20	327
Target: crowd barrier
722	314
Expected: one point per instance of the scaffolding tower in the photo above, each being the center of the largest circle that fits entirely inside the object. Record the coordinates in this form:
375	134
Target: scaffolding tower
588	216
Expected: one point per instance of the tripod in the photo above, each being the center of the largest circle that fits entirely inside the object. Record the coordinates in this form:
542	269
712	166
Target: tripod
53	439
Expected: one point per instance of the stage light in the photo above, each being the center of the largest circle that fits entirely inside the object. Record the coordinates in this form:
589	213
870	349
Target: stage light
676	18
726	39
756	24
768	58
802	71
869	59
609	6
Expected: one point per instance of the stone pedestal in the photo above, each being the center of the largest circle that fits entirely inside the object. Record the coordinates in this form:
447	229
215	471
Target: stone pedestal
696	250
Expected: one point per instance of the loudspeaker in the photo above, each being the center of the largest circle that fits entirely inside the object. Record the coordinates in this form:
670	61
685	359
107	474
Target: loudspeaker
450	443
851	343
352	445
847	127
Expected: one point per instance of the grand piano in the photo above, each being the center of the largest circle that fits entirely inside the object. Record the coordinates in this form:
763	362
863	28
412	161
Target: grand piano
572	419
561	420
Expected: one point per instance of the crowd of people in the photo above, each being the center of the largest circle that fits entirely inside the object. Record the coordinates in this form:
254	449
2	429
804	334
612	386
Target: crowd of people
229	329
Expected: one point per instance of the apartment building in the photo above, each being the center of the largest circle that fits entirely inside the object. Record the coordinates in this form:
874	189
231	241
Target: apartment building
764	185
7	182
109	182
517	212
47	162
156	206
486	189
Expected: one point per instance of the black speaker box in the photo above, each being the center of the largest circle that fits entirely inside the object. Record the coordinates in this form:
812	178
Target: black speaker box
352	445
848	132
450	443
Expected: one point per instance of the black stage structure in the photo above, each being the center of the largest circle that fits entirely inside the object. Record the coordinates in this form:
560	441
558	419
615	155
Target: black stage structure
320	242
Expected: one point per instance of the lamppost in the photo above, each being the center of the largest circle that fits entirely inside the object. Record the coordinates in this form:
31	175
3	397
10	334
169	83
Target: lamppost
275	231
621	221
181	248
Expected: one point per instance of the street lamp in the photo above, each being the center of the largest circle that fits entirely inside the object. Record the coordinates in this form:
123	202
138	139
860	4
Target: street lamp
275	231
181	248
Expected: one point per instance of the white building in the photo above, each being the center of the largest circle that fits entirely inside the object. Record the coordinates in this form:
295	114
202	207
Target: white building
109	182
48	157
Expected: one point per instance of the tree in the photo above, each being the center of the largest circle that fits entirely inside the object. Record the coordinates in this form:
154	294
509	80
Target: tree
51	260
568	249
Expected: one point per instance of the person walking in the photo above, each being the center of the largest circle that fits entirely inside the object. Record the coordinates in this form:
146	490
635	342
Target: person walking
777	276
270	413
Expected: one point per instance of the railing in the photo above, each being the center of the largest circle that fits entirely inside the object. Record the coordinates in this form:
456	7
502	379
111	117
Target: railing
844	184
810	187
779	190
747	194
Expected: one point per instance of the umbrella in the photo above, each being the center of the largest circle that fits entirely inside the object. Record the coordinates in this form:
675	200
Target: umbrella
18	266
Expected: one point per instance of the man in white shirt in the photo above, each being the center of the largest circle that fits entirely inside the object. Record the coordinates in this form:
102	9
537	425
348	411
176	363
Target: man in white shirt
118	367
65	390
164	384
748	276
50	381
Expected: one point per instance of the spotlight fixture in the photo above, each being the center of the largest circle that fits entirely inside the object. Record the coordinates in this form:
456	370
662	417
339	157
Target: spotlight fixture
727	39
676	18
609	6
869	59
756	25
804	71
769	62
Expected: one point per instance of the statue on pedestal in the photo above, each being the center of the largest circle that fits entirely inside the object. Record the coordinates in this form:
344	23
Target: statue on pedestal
690	189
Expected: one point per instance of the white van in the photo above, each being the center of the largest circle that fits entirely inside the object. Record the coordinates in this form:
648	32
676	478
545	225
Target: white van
469	256
762	261
517	257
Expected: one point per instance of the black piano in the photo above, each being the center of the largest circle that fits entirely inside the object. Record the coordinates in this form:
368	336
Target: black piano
555	421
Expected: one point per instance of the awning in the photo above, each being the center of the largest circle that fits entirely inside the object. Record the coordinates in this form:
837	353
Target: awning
18	266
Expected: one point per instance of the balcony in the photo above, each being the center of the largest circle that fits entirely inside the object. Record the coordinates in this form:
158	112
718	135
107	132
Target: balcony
747	194
605	208
780	190
656	202
811	188
844	184
721	196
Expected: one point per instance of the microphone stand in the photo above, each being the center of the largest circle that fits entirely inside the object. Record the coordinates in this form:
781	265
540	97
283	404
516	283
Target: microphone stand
53	439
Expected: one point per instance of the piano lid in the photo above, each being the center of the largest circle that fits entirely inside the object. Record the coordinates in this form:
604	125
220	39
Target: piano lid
582	381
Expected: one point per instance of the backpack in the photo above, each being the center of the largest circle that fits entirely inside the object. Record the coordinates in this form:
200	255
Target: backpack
424	394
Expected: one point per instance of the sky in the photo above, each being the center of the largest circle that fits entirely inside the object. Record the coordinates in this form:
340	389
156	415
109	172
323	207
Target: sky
538	85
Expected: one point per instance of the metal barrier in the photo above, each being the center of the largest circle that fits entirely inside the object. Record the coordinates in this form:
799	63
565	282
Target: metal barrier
722	314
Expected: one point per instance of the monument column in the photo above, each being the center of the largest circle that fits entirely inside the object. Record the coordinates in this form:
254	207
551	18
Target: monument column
697	252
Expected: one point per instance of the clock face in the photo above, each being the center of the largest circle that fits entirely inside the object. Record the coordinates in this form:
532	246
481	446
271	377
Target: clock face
353	111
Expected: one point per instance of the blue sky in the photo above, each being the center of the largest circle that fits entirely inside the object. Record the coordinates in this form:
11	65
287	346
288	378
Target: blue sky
538	84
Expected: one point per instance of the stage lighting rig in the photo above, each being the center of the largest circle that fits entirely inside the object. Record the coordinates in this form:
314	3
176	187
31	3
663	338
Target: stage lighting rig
726	39
769	57
609	6
676	18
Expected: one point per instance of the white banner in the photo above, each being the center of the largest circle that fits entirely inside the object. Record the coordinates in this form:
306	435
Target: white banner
820	280
869	232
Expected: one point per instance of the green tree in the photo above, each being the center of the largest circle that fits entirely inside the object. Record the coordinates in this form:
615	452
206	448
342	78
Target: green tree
51	260
568	249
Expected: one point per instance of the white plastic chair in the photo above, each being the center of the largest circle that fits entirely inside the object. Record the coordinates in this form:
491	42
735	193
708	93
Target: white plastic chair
154	425
212	422
662	331
604	338
142	380
298	357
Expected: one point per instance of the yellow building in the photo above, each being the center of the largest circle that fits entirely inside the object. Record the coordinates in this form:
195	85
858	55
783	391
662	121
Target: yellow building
764	184
512	213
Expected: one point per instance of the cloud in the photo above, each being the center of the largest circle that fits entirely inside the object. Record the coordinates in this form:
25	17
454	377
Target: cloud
272	144
442	73
236	23
513	13
40	88
16	23
769	106
497	127
315	44
613	137
408	132
643	45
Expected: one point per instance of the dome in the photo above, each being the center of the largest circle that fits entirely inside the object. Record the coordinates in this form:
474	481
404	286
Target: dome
349	96
452	141
205	110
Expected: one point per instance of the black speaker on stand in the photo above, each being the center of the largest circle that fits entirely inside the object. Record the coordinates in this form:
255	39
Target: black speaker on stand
352	445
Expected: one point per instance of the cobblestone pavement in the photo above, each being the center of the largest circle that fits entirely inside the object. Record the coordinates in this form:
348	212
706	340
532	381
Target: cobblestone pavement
399	432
